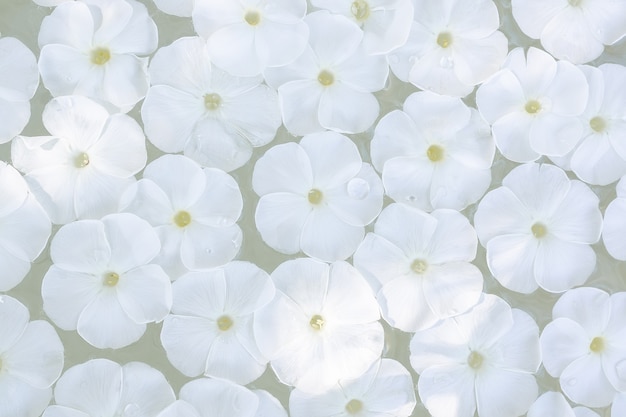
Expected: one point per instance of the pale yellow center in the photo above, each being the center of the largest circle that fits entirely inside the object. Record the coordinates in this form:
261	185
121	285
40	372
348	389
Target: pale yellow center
224	323
444	39
597	124
475	360
100	56
182	219
360	10
317	322
111	279
315	196
419	266
252	17
435	153
539	230
597	344
81	160
212	101
354	406
533	107
325	78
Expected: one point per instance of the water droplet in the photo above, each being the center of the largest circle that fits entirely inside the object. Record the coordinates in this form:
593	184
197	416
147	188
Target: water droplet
446	62
209	251
131	410
411	198
358	188
620	369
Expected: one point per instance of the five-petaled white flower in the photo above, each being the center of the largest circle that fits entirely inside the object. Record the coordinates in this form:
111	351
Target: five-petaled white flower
316	196
537	229
102	282
554	404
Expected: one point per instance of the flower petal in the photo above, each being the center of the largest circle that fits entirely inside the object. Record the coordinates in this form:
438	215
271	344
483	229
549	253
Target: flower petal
579	220
562	342
93	253
220	204
145	294
452	288
205	247
187	342
494	388
304	95
55	30
200	294
555	135
512	136
334	169
407	180
359	200
589	307
144	387
404	306
380	260
518	349
284	167
132	240
280	218
249	288
120	158
511	260
347	110
326	237
14	317
561	265
229	359
448	391
125	80
584	382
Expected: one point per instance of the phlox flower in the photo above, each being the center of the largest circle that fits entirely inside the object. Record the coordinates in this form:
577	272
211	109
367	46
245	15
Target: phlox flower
574	30
19	78
533	105
453	45
97	49
102	282
316	196
614	225
385	23
101	387
322	325
330	86
181	8
31	360
537	228
419	265
210	329
194	210
585	345
483	360
213	117
386	389
24	227
245	37
434	153
91	156
554	404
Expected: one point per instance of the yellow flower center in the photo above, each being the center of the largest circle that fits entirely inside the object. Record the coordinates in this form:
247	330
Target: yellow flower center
224	323
444	39
111	279
597	344
252	17
81	160
475	360
539	230
419	266
325	78
100	56
317	322
597	124
533	107
182	219
360	10
354	406
212	101
435	153
315	196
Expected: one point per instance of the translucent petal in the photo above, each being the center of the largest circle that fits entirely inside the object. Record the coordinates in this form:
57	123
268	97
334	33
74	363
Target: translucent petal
280	219
561	265
132	240
331	169
15	318
448	390
283	168
326	237
145	294
494	388
511	260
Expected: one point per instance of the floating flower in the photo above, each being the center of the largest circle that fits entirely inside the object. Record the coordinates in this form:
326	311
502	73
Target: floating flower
534	104
210	329
585	345
181	8
31	360
322	325
194	211
537	228
554	404
614	225
101	387
102	282
98	49
386	389
575	30
82	169
420	266
214	117
316	196
330	85
246	37
19	78
453	46
24	228
385	23
482	360
435	153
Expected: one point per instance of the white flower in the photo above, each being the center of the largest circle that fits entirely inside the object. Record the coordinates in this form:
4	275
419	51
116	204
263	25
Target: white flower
575	30
181	8
554	404
246	37
614	226
322	325
102	283
453	45
101	387
419	264
585	345
210	329
194	210
533	104
214	117
330	85
482	360
24	228
316	196
537	228
31	360
91	157
618	408
385	23
386	389
436	153
19	78
94	48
